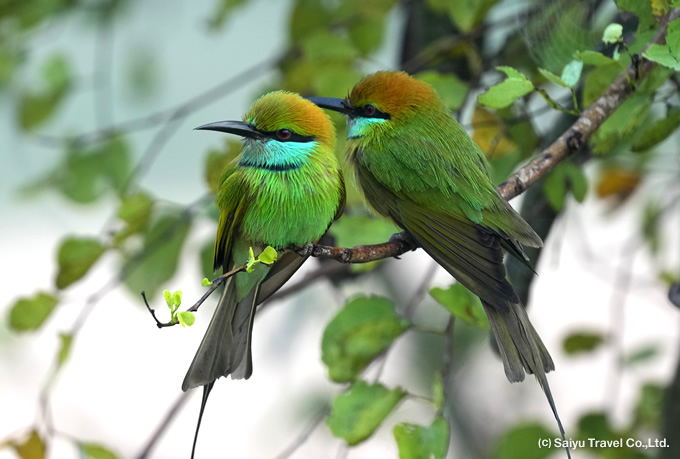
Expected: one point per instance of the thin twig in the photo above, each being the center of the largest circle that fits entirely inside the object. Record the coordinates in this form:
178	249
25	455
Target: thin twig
326	271
169	416
305	434
617	308
447	364
215	284
409	310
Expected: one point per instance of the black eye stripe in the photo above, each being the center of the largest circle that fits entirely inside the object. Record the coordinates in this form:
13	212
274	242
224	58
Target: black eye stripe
294	137
359	112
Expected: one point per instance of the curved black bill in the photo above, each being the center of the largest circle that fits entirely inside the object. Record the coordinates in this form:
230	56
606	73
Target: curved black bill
332	103
232	127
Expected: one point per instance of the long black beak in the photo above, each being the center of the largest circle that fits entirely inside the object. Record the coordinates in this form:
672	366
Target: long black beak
232	127
332	103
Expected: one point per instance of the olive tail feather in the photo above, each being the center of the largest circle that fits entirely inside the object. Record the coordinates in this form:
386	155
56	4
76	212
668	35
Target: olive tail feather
206	392
542	379
522	350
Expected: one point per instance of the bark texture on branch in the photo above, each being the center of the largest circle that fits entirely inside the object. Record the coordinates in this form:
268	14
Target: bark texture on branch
569	142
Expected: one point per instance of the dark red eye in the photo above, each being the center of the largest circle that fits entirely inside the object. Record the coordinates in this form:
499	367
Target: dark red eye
284	134
369	110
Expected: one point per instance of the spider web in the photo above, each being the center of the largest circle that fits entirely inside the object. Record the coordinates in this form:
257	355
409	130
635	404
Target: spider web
554	29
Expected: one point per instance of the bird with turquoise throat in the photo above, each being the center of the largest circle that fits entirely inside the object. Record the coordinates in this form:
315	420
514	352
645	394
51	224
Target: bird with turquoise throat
285	188
418	167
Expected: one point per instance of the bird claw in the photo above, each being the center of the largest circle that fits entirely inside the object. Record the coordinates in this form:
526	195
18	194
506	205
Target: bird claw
306	250
404	238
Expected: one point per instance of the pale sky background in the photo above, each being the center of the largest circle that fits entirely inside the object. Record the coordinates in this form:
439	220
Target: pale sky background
123	373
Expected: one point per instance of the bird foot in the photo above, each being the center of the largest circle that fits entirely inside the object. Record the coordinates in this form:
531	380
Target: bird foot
306	250
404	238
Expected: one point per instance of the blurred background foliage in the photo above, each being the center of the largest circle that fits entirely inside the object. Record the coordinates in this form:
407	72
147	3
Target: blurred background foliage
558	64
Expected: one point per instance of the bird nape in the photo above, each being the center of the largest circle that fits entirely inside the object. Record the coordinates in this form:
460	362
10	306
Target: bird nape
285	188
417	166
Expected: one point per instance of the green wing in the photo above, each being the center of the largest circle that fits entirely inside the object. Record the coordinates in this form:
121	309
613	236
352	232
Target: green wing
468	251
232	204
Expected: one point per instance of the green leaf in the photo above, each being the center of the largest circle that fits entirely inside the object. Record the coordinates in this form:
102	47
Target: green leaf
86	174
462	303
268	255
507	91
357	413
135	208
367	33
465	14
308	16
552	77
222	12
31	448
206	282
30	313
672	47
324	44
143	74
521	441
572	73
251	261
491	135
167	295
655	79
590	57
157	261
135	211
114	157
358	333
216	163
660	7
582	342
186	318
75	258
37	106
598	80
623	124
663	55
177	298
650	225
596	425
438	394
613	33
641	354
352	230
334	79
418	442
555	188
577	181
65	342
9	62
657	132
96	451
451	89
650	405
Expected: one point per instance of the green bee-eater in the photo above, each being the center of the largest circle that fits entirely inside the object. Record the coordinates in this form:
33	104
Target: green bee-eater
284	188
417	166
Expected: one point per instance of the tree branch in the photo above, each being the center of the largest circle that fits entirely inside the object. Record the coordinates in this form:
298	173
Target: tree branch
569	142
